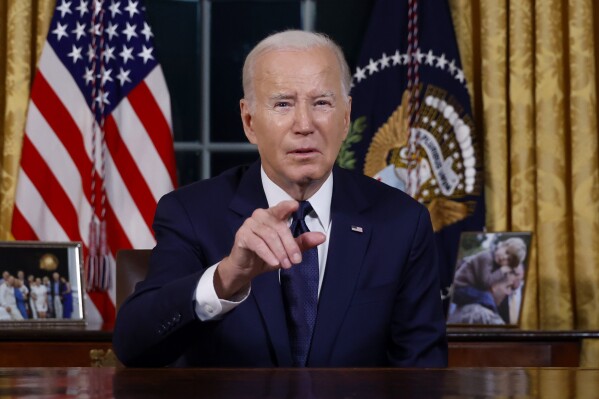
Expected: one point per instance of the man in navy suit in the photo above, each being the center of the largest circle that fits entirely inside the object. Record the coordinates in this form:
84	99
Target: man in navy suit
214	294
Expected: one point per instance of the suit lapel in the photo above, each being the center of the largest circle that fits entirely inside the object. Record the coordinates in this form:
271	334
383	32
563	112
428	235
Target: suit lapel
266	289
350	237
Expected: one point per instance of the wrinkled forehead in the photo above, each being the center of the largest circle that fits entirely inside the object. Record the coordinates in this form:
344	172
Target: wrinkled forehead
293	67
298	58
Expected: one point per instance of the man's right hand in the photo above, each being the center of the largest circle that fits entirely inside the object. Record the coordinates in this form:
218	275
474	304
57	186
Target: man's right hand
263	243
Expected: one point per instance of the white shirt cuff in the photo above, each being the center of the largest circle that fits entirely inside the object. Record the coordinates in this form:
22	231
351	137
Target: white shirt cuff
208	305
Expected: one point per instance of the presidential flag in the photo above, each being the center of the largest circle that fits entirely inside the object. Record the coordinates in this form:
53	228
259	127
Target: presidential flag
412	125
98	147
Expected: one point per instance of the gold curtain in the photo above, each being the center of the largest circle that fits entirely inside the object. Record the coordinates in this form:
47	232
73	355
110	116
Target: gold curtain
532	68
23	29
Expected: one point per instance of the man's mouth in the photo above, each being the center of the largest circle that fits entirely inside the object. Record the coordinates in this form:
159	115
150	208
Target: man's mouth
301	151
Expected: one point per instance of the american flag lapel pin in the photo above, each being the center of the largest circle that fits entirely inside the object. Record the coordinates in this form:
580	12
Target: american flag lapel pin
357	229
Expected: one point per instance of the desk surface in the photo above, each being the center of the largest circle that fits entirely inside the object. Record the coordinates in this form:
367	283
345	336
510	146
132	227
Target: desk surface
299	383
454	334
468	347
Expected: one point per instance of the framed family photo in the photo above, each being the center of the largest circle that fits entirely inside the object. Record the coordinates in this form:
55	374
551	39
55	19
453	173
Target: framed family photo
489	279
41	284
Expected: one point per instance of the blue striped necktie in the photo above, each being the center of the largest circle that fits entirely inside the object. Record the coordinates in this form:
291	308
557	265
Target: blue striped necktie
300	292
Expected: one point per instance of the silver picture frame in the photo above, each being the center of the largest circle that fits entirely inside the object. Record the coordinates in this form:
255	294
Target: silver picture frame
41	284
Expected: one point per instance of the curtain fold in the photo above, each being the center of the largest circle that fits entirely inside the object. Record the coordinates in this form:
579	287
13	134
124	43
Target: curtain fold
23	29
522	175
553	232
493	43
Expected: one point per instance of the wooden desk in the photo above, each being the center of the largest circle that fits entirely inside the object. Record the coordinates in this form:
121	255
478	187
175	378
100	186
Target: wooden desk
47	347
487	347
298	383
70	347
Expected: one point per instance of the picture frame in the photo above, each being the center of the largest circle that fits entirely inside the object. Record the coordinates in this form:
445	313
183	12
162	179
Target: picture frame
41	284
489	279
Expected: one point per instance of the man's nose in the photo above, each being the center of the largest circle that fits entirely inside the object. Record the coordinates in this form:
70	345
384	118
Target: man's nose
303	119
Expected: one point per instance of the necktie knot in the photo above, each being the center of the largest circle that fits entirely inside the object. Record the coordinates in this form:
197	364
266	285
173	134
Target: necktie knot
304	209
298	224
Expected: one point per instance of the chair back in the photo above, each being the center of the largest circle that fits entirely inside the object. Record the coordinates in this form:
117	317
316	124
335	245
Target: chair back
131	267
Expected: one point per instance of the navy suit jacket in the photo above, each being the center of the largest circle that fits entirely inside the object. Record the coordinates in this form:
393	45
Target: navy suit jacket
379	303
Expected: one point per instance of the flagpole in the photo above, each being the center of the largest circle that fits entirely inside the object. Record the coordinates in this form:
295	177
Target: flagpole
308	15
205	94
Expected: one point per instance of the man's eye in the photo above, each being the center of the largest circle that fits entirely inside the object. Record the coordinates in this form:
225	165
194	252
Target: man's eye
323	102
282	104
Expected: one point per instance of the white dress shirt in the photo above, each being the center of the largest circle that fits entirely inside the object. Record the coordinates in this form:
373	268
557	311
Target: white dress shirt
207	304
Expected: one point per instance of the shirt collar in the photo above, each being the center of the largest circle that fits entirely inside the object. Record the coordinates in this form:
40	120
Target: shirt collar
320	201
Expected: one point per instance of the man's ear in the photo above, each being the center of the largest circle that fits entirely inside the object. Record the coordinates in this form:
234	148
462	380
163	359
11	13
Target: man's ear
246	120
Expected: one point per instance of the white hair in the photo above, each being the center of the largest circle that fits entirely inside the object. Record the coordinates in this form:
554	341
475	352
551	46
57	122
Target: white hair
293	40
515	249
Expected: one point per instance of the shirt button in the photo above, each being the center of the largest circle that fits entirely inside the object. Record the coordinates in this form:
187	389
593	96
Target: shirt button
209	309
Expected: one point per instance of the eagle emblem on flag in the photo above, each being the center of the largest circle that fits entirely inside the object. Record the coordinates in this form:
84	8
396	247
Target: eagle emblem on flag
446	156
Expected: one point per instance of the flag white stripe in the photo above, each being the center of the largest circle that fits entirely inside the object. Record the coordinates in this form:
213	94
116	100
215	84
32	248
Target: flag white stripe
33	208
112	288
157	85
59	79
92	315
142	150
126	212
56	156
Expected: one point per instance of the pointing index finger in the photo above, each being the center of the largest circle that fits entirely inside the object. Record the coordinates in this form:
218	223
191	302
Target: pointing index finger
283	209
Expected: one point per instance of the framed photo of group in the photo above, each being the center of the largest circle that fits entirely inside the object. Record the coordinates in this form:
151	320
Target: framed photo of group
41	284
490	279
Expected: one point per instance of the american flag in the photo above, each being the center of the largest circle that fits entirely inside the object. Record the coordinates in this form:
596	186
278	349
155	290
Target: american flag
98	147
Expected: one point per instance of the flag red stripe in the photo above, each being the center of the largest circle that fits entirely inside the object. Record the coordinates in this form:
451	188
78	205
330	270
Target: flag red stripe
153	120
63	125
134	180
50	190
21	229
117	239
104	304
